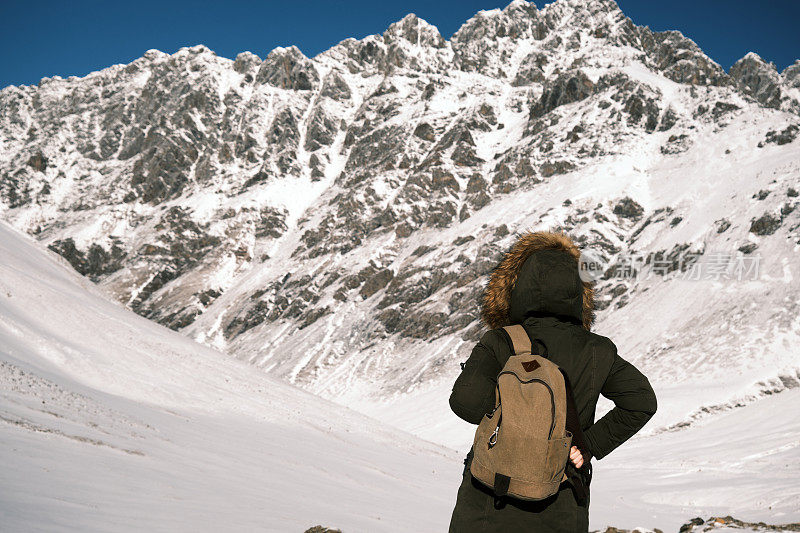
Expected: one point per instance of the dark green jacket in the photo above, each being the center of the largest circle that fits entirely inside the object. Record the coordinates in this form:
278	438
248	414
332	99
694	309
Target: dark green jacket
549	300
593	366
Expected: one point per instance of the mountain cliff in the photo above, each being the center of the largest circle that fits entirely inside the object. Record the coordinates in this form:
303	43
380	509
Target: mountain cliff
333	219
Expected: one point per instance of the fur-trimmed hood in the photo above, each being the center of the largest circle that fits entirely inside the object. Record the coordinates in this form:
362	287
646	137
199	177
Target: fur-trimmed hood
538	276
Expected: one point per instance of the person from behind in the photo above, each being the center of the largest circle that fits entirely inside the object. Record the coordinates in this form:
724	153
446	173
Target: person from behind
538	285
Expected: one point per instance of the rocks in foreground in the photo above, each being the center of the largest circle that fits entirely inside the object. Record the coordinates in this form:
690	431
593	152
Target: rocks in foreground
726	523
715	523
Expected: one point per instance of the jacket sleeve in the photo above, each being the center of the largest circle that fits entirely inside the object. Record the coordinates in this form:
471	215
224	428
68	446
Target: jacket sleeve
473	392
634	404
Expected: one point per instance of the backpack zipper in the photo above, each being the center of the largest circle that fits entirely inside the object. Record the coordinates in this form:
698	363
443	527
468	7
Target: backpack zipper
552	404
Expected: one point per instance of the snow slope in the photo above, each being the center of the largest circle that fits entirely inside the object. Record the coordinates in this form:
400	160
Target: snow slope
110	422
743	463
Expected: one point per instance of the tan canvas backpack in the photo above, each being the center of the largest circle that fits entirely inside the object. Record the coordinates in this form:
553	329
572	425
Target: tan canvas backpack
522	447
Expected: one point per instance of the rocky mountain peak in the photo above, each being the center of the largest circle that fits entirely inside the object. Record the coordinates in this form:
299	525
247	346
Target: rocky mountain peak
679	58
758	78
515	21
791	74
288	68
581	8
154	54
246	62
414	30
410	43
600	18
751	61
520	8
196	49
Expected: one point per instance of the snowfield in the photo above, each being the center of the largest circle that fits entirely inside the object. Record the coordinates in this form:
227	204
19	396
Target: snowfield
110	422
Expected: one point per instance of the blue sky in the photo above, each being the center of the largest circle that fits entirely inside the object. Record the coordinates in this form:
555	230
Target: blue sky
46	38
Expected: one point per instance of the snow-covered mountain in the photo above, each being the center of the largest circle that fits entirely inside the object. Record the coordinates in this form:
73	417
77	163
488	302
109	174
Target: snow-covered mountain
333	219
109	422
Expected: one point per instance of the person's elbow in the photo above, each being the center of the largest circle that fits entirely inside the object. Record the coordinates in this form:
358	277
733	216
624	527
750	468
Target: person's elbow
649	403
466	408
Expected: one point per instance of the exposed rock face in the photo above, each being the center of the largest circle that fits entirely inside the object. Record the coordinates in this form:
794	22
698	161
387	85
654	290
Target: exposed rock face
38	162
335	87
785	136
628	208
680	59
531	70
320	529
363	196
94	263
288	69
766	224
791	75
729	522
477	44
246	63
759	79
567	88
376	282
321	130
416	32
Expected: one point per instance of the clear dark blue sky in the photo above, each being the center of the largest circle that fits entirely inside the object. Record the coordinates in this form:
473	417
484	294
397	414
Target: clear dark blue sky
44	38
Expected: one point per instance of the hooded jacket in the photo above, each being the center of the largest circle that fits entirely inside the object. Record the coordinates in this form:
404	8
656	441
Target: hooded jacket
537	284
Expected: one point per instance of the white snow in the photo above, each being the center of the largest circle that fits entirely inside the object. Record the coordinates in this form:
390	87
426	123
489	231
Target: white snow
109	422
742	462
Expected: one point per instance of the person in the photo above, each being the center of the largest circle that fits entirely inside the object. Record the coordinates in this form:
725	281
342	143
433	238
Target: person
538	285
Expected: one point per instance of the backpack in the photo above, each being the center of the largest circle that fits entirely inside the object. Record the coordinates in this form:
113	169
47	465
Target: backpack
521	448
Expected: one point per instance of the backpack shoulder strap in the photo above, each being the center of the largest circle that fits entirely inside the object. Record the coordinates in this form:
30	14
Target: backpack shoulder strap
520	341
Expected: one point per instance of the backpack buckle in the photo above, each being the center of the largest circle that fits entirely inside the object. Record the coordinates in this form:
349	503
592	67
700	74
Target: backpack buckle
493	438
